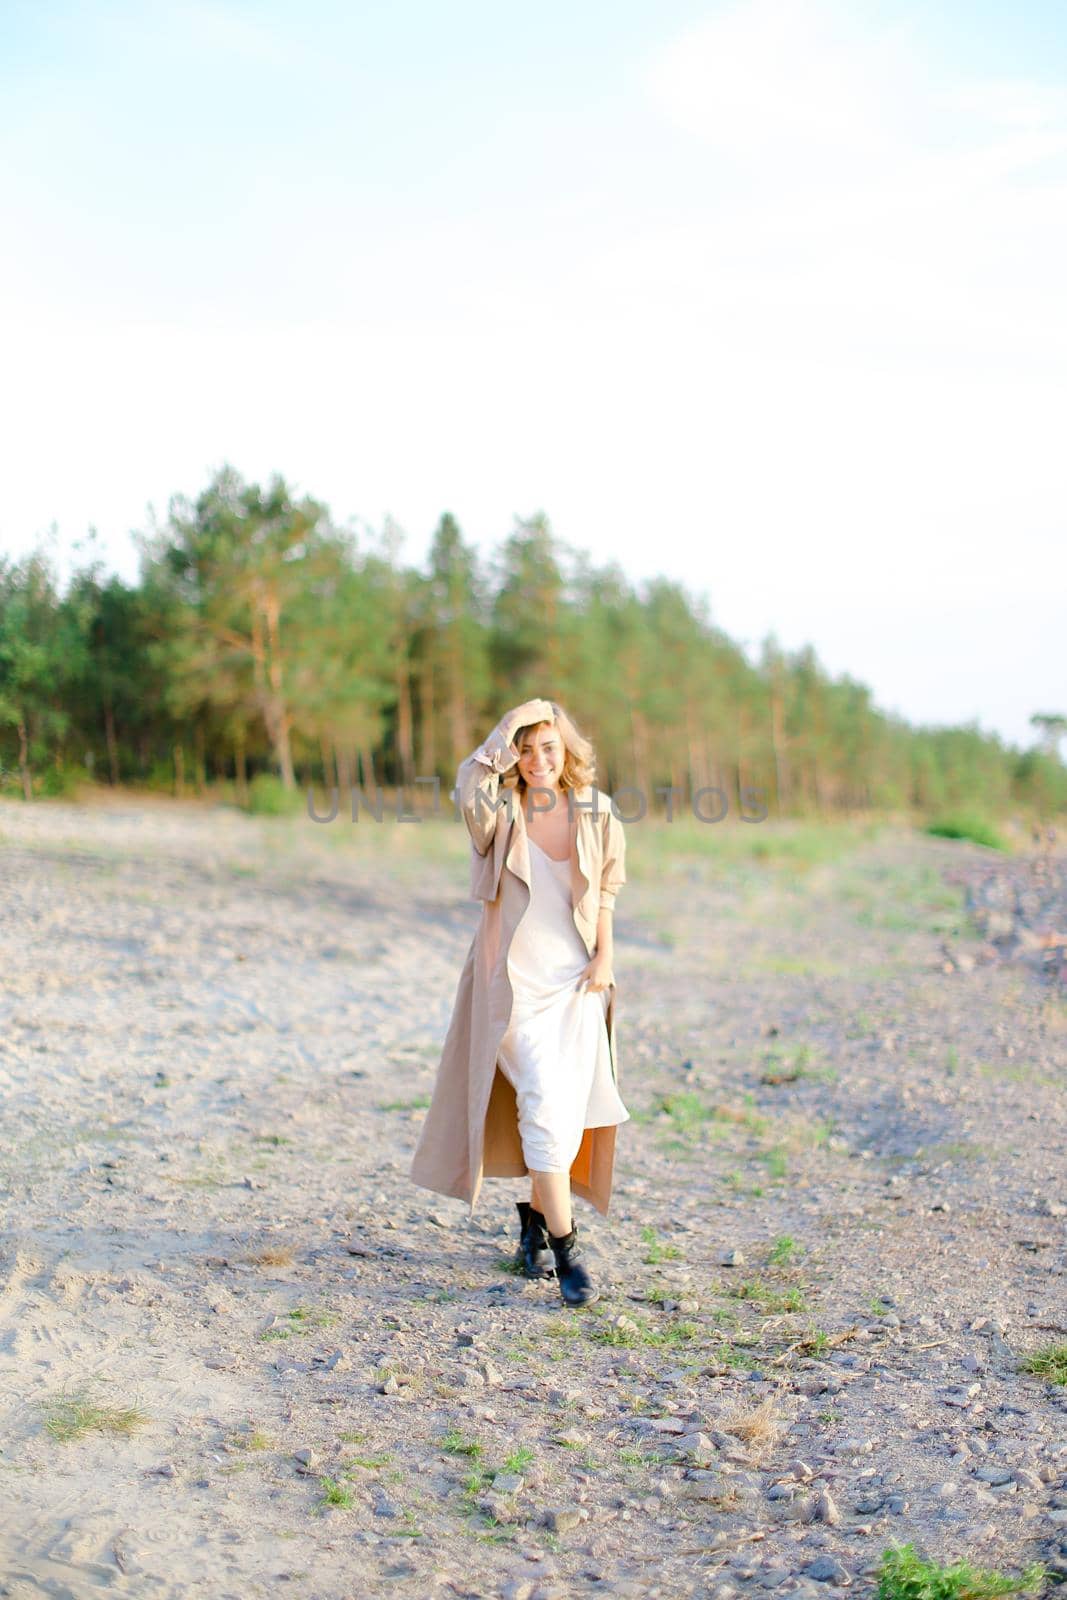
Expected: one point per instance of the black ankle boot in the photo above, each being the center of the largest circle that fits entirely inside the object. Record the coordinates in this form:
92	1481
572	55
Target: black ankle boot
575	1284
534	1254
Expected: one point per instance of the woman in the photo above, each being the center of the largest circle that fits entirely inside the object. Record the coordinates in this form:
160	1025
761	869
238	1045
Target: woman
527	1081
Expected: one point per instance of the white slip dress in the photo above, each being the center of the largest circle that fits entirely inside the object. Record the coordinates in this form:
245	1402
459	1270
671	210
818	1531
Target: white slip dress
556	1052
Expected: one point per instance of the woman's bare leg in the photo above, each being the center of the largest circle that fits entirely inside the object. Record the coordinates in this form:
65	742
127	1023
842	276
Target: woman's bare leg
551	1195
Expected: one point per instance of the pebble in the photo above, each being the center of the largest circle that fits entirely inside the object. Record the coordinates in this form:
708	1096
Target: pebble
961	1394
995	1474
562	1519
826	1509
825	1569
697	1446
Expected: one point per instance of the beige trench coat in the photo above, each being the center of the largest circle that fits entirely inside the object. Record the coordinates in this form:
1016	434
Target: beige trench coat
471	1129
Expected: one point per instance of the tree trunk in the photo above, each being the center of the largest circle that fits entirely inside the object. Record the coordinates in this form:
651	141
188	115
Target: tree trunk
267	674
639	730
179	770
344	769
112	744
240	766
24	761
781	762
404	728
329	761
427	739
201	760
282	719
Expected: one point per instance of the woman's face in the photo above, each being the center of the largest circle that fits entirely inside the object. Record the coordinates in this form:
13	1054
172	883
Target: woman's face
541	756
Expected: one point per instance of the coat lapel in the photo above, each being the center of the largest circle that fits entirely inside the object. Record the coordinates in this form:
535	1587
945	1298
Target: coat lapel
517	850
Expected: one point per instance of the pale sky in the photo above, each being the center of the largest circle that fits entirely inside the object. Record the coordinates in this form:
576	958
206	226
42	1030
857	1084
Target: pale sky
765	296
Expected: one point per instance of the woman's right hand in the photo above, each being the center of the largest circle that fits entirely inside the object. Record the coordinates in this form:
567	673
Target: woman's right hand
523	716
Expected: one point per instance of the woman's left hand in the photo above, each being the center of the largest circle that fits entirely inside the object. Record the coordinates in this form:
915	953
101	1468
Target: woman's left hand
597	975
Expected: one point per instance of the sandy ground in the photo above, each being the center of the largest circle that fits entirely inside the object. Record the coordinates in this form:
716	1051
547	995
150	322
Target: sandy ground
838	1225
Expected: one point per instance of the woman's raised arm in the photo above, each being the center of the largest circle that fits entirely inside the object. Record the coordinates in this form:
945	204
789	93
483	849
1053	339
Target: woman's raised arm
478	778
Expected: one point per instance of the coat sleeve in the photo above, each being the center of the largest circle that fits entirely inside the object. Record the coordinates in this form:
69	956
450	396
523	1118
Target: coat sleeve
478	787
613	866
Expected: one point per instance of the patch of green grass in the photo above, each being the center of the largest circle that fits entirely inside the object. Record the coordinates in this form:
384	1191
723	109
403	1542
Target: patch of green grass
770	1301
904	1575
335	1494
410	1526
1050	1363
961	826
775	1161
72	1416
780	1068
808	966
954	1150
256	1440
728	1354
456	1445
371	1463
519	1459
212	1179
687	1115
878	1306
686	1110
637	1331
419	1103
782	1251
301	1319
1017	1072
656	1252
562	1326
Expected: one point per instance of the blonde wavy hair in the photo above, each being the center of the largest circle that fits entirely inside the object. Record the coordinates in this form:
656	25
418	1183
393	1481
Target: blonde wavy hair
579	756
